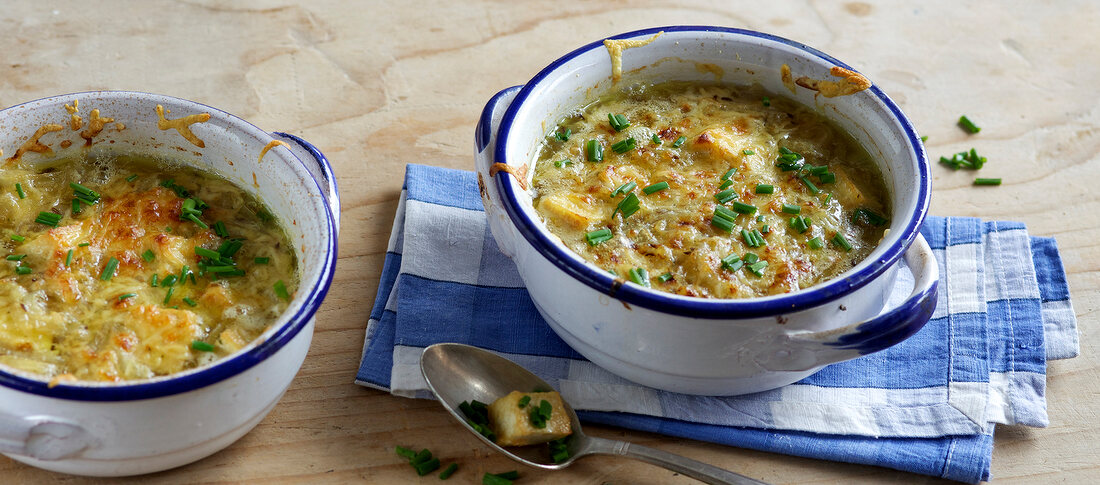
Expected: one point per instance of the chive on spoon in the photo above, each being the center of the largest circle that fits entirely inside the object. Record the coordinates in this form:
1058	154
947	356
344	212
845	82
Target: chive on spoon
457	373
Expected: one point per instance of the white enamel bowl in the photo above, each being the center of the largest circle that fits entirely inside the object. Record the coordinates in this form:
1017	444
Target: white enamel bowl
708	346
114	429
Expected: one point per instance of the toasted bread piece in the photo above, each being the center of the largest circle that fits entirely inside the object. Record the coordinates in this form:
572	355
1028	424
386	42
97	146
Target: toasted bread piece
513	424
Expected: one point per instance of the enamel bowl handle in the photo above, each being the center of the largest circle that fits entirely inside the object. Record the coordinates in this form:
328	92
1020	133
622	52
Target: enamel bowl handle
43	437
485	138
317	165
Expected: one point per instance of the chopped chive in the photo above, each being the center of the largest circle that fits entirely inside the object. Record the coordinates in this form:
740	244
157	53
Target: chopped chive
220	230
757	268
924	139
563	135
168	296
598	236
618	122
800	224
523	401
189	301
193	218
657	187
809	185
153	281
23	270
18	238
405	452
169	280
725	213
868	216
816	243
447	472
721	222
80	189
109	269
280	290
132	178
729	173
751	258
84	244
201	346
725	196
656	139
624	189
68	258
679	142
629	205
743	207
826	178
624	146
839	240
19	190
15	257
593	151
148	255
765	189
765	229
766	101
732	262
760	241
261	260
639	276
206	253
128	295
563	163
820	170
48	218
968	125
725	185
490	479
747	236
665	277
981	181
747	152
76	206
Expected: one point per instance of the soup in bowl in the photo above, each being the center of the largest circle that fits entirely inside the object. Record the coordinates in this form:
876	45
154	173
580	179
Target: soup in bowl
829	262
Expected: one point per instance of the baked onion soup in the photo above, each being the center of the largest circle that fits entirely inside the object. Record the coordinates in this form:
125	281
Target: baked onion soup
122	267
710	190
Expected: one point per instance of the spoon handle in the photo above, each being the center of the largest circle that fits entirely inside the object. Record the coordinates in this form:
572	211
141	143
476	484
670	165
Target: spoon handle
685	466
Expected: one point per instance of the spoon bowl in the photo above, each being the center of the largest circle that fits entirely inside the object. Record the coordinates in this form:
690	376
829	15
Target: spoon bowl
457	373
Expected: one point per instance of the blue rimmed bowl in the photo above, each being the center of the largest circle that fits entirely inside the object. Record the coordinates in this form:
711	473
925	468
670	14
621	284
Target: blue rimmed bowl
694	345
133	427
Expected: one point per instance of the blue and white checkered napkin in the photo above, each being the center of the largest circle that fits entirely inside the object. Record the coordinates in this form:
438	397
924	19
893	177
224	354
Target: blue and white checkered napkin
927	405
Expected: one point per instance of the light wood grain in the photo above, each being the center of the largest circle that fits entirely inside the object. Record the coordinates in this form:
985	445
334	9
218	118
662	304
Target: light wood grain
377	85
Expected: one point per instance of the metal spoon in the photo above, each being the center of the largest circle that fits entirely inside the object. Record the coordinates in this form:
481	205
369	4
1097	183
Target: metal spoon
457	373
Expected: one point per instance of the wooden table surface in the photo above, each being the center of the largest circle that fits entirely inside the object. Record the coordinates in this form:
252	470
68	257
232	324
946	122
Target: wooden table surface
377	85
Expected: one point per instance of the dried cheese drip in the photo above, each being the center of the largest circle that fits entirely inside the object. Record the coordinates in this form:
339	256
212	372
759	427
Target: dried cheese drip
851	82
787	78
615	50
95	125
270	145
33	145
183	125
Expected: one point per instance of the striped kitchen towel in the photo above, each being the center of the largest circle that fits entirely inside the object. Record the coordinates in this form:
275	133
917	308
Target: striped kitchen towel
927	405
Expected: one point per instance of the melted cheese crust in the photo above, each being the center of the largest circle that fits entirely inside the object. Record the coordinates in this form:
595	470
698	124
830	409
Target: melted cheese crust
67	320
671	234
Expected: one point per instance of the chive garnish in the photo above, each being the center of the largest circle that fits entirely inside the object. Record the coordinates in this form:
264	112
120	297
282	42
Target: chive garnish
751	258
868	216
195	219
76	206
84	244
148	256
757	268
732	262
679	142
725	185
490	479
169	280
563	163
153	281
656	139
15	257
968	125
981	181
624	146
280	290
743	207
563	135
725	196
618	122
86	195
665	277
766	101
261	260
523	401
48	218
189	301
541	414
405	452
593	151
721	221
924	138
816	243
623	189
747	152
765	189
809	185
68	258
826	178
657	187
629	205
168	296
132	178
220	230
598	236
18	238
109	269
639	276
800	224
201	346
839	240
128	295
447	472
19	190
729	173
23	270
